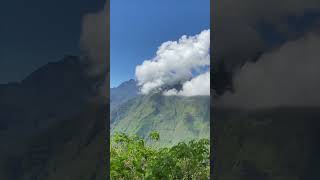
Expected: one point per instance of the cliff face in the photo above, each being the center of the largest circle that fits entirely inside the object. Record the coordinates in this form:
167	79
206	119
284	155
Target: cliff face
270	144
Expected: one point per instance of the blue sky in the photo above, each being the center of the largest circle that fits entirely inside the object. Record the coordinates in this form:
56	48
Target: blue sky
138	27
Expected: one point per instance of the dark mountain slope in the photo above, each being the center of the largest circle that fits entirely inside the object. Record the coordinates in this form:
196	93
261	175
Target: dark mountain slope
52	92
71	149
267	144
49	126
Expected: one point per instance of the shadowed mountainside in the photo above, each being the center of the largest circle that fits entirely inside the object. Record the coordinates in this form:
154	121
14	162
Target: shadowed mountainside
49	127
266	144
73	148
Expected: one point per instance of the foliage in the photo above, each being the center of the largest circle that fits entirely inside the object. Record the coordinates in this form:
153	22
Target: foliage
132	158
154	135
176	118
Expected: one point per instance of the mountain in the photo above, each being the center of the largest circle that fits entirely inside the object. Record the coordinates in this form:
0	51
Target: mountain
50	128
176	118
74	148
52	92
124	92
267	144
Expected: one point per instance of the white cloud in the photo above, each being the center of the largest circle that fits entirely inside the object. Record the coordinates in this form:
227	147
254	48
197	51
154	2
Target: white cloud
198	86
175	62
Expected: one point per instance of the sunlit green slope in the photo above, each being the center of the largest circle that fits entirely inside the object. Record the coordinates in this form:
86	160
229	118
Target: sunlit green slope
176	118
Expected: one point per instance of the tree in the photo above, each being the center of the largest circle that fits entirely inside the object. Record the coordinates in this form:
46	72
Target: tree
131	158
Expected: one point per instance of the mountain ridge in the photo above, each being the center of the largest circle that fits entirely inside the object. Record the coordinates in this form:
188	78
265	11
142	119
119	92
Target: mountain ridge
122	93
177	118
50	124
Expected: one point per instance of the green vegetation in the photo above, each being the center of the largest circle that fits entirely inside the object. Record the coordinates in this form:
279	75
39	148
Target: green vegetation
139	152
175	118
133	158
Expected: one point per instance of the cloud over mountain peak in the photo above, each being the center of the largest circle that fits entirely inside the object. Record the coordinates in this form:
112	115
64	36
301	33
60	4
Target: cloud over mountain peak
176	62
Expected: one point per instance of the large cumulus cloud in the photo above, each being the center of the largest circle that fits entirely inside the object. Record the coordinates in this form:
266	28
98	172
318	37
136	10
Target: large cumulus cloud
176	62
198	86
